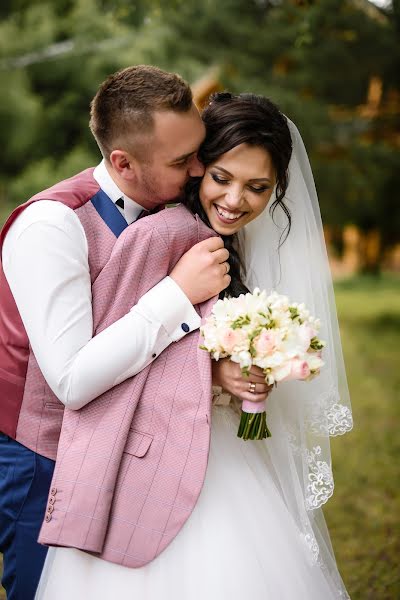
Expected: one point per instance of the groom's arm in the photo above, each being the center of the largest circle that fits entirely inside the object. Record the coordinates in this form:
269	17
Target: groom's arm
45	260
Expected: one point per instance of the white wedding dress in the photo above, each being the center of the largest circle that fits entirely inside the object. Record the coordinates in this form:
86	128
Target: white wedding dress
240	542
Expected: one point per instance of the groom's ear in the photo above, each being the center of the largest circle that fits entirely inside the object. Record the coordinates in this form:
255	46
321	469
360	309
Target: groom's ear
124	164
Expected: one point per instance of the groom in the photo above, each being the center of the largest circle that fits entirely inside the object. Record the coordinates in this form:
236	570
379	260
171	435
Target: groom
53	248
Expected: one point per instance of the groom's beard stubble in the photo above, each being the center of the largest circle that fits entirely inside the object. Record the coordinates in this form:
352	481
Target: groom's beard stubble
151	190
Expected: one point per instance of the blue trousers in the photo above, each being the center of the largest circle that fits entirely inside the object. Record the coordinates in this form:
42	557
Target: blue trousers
25	479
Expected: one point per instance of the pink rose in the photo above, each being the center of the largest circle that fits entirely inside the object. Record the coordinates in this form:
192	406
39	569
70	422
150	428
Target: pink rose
299	369
229	339
294	370
266	342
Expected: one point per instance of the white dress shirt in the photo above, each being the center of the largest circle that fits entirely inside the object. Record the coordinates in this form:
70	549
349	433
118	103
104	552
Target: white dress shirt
45	261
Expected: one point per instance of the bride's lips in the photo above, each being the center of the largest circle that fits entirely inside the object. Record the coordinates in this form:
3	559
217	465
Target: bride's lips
228	217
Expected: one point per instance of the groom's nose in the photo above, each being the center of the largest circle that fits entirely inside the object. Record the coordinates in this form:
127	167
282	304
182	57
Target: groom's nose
196	168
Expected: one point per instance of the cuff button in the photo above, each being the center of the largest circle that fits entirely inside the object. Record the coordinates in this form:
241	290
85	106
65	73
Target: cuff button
185	327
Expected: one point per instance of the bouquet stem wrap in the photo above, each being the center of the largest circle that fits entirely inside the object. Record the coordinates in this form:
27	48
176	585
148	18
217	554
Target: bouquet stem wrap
253	421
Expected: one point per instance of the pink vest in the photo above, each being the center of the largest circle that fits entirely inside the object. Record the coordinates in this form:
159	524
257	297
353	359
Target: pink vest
131	464
29	411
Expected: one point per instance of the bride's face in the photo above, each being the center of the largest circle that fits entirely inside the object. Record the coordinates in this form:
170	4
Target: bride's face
237	187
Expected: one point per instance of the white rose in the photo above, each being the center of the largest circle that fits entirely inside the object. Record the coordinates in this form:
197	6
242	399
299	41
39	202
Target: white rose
314	362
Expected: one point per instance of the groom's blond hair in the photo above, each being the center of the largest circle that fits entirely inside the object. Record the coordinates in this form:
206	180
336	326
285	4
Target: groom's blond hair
122	111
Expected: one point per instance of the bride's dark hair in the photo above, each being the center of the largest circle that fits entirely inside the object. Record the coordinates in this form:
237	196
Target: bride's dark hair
243	119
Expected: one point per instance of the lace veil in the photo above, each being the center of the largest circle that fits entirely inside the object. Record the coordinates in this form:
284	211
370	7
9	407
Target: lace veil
302	415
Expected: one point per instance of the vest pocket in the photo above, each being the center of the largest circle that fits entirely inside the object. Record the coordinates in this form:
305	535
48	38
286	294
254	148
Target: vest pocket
138	443
54	405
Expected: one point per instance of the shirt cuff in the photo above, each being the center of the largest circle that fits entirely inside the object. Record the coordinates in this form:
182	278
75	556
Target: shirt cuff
167	304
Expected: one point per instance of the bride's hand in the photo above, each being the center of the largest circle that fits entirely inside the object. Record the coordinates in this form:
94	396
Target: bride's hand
228	375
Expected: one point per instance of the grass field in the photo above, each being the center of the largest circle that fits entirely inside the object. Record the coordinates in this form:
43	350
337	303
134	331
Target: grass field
364	513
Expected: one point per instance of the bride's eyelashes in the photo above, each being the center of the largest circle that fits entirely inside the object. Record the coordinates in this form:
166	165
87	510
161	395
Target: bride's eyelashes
256	189
219	179
259	190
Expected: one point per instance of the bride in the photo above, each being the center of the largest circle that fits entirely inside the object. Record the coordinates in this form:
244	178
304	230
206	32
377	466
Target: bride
257	529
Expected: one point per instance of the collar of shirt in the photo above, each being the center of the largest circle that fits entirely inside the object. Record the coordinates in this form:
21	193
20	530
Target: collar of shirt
131	209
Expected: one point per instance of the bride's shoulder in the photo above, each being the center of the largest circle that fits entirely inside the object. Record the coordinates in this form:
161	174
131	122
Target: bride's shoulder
174	221
171	225
177	213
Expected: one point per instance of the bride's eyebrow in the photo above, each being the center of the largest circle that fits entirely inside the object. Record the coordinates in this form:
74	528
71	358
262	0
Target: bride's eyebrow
261	179
258	180
223	170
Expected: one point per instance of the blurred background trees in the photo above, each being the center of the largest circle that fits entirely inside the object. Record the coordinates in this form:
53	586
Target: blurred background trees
332	66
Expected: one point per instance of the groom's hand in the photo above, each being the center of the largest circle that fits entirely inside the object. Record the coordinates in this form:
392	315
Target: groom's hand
202	272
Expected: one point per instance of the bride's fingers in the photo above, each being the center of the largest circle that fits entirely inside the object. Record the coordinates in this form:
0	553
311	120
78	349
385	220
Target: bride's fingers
258	380
246	395
254	391
256	374
255	387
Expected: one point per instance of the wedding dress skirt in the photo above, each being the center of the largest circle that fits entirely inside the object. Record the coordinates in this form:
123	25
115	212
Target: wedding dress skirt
240	542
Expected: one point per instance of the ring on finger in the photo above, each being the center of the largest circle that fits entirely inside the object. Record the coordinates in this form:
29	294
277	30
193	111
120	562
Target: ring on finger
252	388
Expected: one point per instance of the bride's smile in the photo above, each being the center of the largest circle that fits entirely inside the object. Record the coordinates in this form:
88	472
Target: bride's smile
237	188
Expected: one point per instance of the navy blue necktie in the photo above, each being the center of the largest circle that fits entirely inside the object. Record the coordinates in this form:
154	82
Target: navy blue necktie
121	203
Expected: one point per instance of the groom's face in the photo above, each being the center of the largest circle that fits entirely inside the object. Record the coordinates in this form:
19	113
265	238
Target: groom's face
171	157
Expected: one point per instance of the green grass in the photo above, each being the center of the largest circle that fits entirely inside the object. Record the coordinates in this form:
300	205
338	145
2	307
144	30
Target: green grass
364	513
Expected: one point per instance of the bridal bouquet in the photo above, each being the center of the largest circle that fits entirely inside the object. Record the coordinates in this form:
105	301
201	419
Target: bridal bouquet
270	332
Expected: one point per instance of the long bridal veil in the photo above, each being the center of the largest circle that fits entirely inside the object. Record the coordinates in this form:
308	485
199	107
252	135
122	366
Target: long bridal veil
303	415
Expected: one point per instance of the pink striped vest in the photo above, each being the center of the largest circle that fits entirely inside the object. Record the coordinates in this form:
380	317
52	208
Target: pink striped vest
29	411
131	464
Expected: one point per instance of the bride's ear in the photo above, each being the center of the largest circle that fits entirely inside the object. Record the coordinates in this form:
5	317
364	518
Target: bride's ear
125	165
